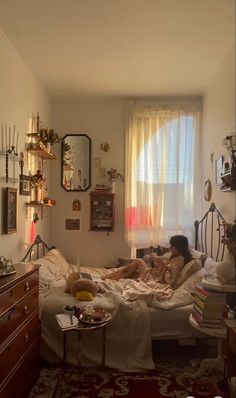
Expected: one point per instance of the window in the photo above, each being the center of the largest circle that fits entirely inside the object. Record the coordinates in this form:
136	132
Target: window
162	173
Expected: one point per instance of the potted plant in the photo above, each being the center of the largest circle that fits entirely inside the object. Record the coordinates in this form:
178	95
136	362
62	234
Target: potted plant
113	175
37	184
48	137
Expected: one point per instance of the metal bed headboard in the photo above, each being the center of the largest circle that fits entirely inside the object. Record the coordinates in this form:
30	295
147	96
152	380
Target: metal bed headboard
36	250
209	232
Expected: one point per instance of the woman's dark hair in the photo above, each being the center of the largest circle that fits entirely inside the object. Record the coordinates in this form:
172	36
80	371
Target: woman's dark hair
181	243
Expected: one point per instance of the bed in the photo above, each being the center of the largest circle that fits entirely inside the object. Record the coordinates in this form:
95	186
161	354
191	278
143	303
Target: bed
137	318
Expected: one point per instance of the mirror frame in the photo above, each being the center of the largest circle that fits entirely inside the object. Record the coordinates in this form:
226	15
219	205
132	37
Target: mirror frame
89	154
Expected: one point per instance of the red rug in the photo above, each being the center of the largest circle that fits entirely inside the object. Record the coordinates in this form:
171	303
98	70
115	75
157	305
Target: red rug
73	383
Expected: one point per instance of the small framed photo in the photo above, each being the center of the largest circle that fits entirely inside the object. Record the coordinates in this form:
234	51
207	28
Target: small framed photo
219	170
76	205
10	210
25	185
72	225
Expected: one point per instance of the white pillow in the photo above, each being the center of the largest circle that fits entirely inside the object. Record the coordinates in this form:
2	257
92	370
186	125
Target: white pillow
199	255
189	269
190	283
53	267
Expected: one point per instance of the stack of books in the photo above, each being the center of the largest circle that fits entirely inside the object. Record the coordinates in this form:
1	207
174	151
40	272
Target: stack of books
208	307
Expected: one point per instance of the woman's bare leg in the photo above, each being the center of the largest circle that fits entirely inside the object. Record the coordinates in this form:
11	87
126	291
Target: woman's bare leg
137	266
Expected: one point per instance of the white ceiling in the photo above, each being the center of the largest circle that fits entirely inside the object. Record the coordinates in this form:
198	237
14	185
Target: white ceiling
121	47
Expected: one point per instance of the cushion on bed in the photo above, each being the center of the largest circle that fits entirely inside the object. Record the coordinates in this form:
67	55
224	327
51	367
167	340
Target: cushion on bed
84	285
199	255
190	283
53	267
189	269
210	266
74	276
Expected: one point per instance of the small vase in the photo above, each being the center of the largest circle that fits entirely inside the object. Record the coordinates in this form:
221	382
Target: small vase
113	186
48	146
37	194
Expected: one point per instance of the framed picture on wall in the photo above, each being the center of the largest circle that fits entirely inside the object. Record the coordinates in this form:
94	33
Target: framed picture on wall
72	225
10	210
219	170
25	185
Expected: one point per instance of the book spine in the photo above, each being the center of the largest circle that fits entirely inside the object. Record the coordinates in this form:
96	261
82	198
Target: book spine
202	290
197	300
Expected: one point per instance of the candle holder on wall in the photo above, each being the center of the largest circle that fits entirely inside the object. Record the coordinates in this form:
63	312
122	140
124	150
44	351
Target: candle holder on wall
9	152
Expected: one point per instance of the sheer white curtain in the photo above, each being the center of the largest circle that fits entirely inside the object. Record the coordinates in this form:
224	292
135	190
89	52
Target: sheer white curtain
162	191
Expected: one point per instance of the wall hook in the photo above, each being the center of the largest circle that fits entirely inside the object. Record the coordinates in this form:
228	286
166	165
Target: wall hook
105	147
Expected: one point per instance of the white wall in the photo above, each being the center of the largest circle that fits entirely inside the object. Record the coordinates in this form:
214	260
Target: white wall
102	120
218	120
20	95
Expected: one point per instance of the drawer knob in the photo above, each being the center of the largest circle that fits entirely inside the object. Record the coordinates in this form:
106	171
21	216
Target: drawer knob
26	338
26	309
27	286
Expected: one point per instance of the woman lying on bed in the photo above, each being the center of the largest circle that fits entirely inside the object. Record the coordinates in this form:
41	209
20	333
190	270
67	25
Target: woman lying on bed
164	270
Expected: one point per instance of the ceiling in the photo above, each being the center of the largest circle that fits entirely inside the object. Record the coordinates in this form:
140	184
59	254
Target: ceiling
121	47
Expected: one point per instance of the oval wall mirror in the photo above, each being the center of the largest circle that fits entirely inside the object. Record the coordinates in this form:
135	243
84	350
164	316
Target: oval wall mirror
76	162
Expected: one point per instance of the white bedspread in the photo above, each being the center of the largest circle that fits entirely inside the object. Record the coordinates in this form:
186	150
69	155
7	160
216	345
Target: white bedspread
128	334
128	338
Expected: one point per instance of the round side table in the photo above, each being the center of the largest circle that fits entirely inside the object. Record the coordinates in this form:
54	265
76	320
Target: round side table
208	364
84	328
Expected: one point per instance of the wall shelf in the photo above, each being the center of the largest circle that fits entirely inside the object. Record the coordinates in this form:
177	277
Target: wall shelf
42	204
42	153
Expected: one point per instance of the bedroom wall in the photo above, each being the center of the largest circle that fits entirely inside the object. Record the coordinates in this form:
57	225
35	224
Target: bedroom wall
218	120
21	95
102	120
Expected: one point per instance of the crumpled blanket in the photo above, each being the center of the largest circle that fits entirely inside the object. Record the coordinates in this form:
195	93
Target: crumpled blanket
134	290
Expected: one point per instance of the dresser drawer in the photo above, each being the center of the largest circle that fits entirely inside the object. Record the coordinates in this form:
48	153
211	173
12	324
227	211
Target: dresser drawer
21	381
18	314
18	292
13	352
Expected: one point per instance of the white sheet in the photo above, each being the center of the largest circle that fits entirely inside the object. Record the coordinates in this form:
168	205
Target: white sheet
172	324
129	333
128	338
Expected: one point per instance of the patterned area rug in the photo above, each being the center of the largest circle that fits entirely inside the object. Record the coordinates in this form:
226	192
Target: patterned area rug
56	382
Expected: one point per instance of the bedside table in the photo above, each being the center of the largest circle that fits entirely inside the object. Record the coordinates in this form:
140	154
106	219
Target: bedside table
80	328
208	364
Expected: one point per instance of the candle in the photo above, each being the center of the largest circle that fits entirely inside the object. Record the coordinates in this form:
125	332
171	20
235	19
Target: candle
17	137
6	136
2	135
10	137
13	138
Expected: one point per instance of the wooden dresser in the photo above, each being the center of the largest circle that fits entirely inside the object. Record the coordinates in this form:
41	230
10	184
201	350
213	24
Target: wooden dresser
19	331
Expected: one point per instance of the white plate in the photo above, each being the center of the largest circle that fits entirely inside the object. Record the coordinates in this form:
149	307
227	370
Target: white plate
106	318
